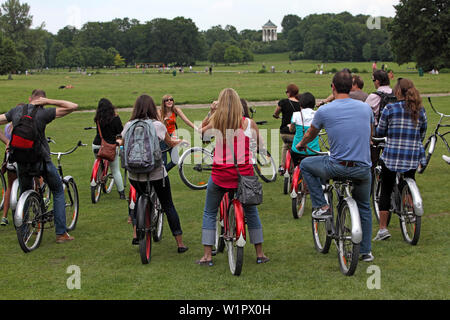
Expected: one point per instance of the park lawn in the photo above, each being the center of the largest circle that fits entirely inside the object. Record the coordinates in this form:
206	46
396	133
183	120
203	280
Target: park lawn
111	268
122	86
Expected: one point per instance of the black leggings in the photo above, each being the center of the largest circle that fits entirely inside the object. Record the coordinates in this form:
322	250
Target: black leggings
387	185
165	197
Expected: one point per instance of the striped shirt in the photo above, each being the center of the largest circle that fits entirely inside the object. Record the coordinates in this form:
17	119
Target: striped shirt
404	149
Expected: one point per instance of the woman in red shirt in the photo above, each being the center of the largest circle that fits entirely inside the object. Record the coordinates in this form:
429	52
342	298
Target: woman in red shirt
227	124
168	115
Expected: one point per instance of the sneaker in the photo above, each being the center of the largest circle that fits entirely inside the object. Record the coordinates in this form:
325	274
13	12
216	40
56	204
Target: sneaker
366	257
319	213
382	234
4	222
64	238
281	171
122	195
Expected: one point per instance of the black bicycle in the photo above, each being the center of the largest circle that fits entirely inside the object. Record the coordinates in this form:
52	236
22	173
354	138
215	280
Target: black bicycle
432	139
33	212
149	222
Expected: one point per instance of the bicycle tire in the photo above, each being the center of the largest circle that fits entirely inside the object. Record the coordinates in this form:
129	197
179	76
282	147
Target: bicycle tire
261	166
30	232
235	252
143	229
410	223
376	192
195	166
4	187
286	184
96	191
299	202
158	219
71	203
348	251
429	149
321	236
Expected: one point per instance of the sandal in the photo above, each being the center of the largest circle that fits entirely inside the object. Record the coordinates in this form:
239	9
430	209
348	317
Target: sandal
208	263
260	260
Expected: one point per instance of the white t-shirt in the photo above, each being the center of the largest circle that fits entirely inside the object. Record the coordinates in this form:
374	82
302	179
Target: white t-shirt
156	174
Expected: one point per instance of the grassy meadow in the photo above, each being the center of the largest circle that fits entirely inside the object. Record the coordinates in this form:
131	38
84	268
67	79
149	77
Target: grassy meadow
110	266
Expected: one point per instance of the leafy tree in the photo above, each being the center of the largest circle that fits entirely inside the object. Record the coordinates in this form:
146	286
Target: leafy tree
67	35
232	54
8	55
290	22
119	61
420	32
15	19
217	52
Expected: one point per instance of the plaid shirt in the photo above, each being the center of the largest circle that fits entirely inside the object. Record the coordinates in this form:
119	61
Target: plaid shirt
404	149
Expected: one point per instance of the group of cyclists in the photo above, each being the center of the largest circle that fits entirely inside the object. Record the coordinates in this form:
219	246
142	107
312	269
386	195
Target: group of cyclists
349	122
350	119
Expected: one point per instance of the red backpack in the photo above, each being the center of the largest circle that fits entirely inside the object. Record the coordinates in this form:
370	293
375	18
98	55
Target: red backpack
25	144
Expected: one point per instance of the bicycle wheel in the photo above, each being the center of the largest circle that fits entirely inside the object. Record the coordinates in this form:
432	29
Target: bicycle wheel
298	203
220	223
30	232
157	219
429	149
71	203
320	229
143	229
348	252
235	252
3	185
410	223
376	192
265	167
195	168
96	191
108	184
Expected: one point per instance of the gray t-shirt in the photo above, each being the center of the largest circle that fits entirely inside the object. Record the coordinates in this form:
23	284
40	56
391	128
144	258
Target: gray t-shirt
358	95
43	117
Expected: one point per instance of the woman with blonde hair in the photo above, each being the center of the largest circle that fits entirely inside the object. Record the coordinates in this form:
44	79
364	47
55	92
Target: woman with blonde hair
404	123
230	128
168	116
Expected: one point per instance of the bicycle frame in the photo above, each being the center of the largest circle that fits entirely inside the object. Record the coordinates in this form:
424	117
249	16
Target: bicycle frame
241	237
97	166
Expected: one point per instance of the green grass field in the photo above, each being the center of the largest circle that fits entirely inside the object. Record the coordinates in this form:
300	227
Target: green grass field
111	268
124	85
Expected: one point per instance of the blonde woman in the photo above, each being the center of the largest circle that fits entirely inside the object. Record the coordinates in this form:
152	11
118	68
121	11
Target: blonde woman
168	115
230	127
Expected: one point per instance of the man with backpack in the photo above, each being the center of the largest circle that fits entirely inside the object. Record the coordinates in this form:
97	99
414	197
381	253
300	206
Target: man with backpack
383	96
29	148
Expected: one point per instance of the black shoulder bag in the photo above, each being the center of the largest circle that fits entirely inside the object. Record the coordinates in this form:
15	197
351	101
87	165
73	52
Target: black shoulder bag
249	191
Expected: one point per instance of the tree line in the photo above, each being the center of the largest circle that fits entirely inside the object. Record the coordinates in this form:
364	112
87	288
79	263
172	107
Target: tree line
325	37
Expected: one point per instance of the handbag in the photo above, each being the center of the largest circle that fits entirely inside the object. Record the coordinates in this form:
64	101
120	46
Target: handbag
250	190
107	150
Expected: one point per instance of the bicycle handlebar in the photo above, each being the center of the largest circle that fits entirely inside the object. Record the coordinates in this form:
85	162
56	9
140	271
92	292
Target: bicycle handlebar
382	139
59	154
437	112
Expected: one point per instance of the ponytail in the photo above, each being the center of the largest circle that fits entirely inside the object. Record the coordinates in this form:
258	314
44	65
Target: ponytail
405	90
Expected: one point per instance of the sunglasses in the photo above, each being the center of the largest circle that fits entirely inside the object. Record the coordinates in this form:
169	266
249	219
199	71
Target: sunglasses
170	99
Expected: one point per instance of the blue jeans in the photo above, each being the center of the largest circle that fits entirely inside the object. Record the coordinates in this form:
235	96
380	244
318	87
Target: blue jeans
173	155
317	170
51	176
214	195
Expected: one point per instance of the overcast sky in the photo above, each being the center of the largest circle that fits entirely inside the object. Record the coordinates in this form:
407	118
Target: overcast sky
243	14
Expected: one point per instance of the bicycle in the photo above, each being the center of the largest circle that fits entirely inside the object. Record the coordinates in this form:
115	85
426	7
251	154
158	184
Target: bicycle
149	222
33	212
432	139
289	172
230	231
343	226
406	202
196	164
101	179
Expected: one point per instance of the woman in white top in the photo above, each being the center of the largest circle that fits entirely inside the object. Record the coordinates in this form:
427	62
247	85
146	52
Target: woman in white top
145	108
